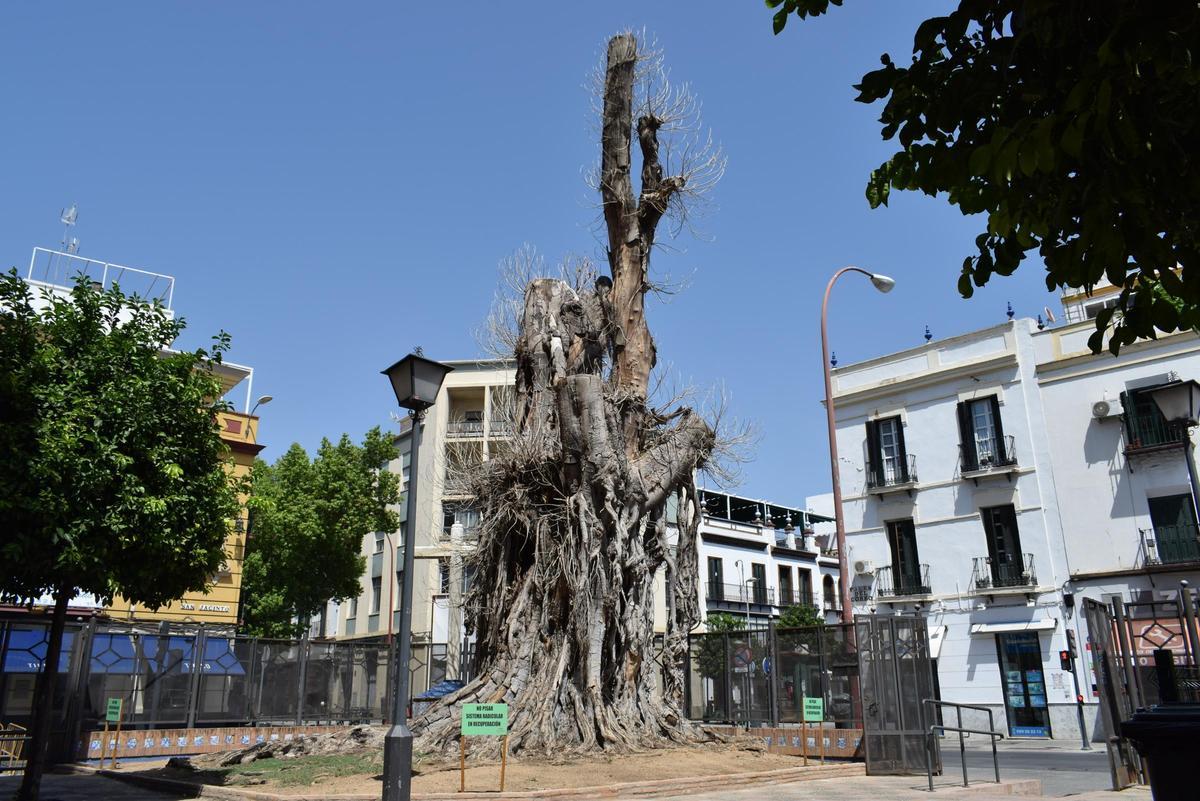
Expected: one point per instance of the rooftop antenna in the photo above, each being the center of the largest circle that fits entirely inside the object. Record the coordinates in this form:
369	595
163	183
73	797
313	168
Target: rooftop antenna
67	217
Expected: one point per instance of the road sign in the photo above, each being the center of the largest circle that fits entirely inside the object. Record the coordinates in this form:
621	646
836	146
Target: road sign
814	709
767	665
112	712
484	719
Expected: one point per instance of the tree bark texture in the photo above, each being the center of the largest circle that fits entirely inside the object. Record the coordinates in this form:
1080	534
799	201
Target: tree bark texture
574	515
43	703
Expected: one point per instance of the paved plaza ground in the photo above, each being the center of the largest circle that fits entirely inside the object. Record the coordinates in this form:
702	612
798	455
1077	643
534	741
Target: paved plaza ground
1063	769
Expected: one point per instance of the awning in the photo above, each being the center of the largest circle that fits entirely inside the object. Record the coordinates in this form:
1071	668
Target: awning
937	636
25	650
1045	624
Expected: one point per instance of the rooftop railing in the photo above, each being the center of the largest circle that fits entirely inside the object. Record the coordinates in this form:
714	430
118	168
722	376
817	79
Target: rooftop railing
54	268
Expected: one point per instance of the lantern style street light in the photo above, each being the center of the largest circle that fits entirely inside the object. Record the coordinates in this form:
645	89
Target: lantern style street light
1179	402
416	382
884	284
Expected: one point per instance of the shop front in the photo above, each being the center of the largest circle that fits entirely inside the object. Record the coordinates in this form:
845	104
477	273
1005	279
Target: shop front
1024	683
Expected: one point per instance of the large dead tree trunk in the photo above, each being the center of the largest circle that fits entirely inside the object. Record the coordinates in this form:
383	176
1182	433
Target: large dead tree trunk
574	518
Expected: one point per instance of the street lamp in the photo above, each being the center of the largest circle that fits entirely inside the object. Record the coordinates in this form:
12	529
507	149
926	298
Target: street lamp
884	284
262	401
1179	402
416	382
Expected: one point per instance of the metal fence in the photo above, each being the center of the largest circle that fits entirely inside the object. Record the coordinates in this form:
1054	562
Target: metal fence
761	677
1129	644
169	677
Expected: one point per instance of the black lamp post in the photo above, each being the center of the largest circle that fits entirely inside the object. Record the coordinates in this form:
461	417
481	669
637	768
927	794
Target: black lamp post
416	382
1179	402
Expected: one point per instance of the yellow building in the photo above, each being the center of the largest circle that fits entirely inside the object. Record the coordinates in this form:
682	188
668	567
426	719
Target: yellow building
219	603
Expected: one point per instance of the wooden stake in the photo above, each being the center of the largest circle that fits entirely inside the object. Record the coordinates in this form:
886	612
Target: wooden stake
462	764
503	761
804	738
103	745
117	750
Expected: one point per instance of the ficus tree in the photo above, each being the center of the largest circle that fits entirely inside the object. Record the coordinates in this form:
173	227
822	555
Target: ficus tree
574	513
1073	126
113	476
308	520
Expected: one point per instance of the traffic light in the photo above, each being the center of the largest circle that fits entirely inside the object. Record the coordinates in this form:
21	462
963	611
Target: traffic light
1071	644
1064	658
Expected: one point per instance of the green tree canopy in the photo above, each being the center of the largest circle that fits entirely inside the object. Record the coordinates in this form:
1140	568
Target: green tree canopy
308	521
113	476
711	659
800	616
1073	125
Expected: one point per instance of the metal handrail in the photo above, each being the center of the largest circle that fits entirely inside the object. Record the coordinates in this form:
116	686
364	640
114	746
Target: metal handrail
962	745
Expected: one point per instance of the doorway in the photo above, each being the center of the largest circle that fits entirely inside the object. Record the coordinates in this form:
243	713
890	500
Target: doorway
1024	682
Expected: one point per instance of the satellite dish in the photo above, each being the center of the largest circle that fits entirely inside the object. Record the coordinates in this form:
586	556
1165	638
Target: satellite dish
1049	314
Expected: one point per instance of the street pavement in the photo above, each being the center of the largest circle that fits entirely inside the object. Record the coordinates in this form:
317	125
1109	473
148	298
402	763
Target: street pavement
79	787
1063	768
1064	771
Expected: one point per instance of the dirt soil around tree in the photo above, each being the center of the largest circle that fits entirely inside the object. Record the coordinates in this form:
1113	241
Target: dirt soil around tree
353	773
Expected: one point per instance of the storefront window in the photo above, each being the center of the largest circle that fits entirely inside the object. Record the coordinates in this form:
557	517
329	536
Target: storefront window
1024	684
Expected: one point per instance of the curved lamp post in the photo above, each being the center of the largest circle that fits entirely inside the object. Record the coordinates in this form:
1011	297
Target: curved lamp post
416	382
884	284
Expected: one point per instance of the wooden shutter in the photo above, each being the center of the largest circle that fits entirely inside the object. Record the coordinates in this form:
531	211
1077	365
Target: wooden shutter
901	451
874	455
1002	454
966	435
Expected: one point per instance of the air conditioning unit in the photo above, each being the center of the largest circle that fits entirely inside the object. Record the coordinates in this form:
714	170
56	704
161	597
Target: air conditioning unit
1106	407
864	567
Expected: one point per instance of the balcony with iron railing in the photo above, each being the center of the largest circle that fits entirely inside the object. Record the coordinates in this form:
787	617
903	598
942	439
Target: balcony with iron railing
1169	545
790	597
993	456
892	476
1147	430
895	583
500	428
989	574
463	429
740	594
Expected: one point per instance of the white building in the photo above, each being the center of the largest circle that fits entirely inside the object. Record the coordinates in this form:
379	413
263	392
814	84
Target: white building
468	424
758	558
993	479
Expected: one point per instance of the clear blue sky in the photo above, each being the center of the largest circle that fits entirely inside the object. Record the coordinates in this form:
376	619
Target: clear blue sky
333	183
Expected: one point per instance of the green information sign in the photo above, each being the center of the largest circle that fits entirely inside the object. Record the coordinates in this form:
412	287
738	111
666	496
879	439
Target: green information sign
814	710
484	719
112	713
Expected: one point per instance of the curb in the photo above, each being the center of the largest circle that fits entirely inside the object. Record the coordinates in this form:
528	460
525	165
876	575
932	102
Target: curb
646	789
